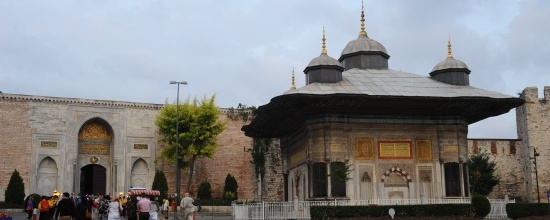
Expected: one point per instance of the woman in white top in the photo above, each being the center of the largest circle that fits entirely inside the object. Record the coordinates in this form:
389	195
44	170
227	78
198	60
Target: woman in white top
114	209
153	212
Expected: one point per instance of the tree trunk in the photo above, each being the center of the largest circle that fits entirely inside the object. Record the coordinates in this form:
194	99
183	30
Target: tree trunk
191	170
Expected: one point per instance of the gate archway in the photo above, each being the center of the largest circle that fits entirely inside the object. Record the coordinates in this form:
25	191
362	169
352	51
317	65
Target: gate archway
93	179
95	158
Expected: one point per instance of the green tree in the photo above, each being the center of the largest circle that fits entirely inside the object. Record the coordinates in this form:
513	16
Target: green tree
160	184
482	174
198	128
15	192
259	149
230	188
205	191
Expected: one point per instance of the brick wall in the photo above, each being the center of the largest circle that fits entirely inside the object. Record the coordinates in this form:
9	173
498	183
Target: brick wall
232	157
15	142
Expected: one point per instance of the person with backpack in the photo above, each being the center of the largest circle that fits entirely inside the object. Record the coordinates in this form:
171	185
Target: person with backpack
44	207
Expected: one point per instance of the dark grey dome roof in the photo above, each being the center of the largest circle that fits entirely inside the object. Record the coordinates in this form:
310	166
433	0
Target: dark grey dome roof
324	60
363	43
450	63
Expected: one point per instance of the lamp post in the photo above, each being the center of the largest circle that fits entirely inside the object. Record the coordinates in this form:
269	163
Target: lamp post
535	155
177	146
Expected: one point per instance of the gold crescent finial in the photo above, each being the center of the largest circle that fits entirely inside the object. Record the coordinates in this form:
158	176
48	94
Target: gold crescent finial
449	52
363	32
324	51
293	86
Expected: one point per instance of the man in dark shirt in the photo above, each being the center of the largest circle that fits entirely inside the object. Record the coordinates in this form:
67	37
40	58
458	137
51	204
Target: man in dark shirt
65	208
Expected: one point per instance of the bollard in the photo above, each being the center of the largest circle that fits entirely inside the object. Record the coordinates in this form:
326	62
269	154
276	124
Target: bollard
34	213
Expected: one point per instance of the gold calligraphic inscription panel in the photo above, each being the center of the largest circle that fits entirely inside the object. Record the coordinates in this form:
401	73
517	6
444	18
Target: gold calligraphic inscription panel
424	149
298	157
394	150
141	146
364	148
95	148
450	149
48	144
94	131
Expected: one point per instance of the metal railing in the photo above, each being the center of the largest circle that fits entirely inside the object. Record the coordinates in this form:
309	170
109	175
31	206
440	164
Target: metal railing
301	209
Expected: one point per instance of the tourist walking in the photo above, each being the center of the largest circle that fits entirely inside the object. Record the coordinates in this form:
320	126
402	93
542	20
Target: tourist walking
131	208
165	206
53	205
187	206
65	208
44	207
81	208
28	206
143	207
114	209
103	209
154	212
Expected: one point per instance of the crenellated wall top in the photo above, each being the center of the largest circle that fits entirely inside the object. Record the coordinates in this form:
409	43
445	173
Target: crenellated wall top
78	101
33	98
531	95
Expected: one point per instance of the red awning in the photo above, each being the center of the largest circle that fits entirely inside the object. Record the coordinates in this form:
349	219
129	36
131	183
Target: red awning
137	192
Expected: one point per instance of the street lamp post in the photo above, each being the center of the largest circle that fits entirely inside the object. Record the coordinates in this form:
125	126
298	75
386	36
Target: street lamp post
535	155
177	146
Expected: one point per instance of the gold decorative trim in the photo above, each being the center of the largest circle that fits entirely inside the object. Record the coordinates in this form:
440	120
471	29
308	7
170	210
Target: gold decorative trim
423	149
450	149
48	144
394	150
141	146
94	131
94	148
94	159
364	148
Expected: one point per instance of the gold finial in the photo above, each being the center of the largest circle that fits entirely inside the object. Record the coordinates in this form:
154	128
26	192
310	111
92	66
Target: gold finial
324	51
449	52
292	86
363	32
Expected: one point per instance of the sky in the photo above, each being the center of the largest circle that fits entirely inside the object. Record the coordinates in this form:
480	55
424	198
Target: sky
244	51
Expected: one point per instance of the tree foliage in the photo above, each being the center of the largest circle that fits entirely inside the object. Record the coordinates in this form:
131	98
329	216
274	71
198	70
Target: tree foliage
230	188
205	190
160	184
481	205
242	112
482	174
259	149
15	192
198	127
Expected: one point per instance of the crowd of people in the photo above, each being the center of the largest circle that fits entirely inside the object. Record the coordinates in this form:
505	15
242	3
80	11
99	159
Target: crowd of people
98	207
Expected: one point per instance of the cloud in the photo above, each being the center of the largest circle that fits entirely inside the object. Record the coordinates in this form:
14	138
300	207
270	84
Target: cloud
244	51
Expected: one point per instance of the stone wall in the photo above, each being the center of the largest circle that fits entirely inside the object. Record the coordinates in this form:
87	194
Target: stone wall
533	125
25	121
507	155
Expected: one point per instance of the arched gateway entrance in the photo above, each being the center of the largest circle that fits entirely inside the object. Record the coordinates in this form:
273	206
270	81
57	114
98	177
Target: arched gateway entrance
95	156
93	179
